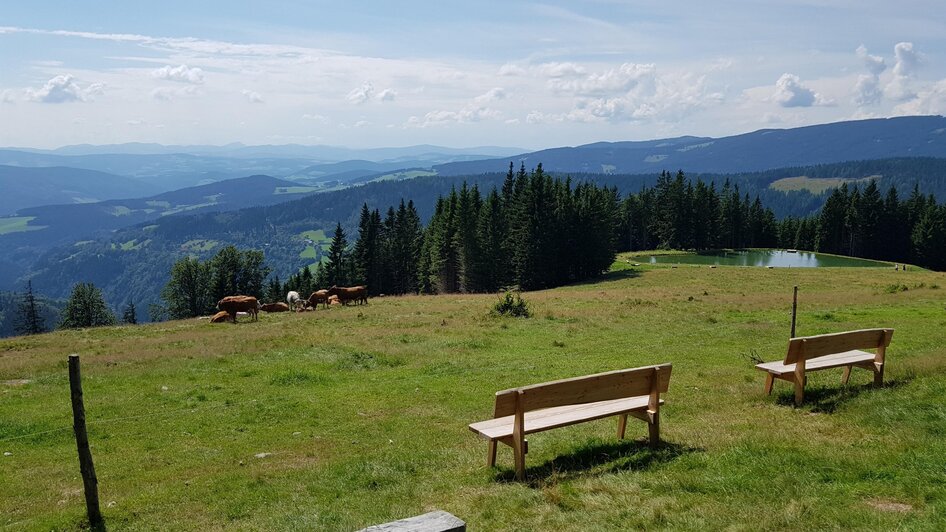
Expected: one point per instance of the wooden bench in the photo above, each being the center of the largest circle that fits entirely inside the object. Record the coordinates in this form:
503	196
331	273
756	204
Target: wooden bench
539	407
826	351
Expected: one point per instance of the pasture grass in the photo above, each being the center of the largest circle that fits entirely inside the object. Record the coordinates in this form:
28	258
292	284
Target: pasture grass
342	418
815	185
18	224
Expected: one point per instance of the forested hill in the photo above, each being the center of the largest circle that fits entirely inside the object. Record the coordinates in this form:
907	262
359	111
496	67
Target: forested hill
134	263
914	136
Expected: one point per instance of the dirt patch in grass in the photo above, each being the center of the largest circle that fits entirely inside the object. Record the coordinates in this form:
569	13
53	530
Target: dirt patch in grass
886	505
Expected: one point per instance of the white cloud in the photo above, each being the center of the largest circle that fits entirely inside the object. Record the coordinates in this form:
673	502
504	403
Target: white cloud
64	89
361	123
135	122
874	63
167	94
252	96
510	69
789	92
562	70
867	90
387	95
493	95
930	101
7	96
622	79
900	88
180	73
466	115
360	95
907	59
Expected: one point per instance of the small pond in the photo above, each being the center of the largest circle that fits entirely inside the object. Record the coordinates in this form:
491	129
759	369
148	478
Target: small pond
763	257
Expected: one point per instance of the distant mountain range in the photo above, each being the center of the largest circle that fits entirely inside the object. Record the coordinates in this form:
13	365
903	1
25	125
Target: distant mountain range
911	136
30	187
321	153
126	246
51	225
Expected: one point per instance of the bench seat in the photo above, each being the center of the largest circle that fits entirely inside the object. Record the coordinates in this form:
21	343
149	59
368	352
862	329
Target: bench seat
826	351
632	392
549	418
848	358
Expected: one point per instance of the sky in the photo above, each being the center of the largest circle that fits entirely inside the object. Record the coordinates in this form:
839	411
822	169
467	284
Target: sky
462	74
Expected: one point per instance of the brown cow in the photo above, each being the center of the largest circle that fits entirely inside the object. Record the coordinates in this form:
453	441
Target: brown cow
274	307
355	293
220	317
234	304
320	296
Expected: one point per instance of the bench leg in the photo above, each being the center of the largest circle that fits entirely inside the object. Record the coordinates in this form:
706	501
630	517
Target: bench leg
769	380
491	454
879	375
519	451
846	375
799	392
654	429
622	425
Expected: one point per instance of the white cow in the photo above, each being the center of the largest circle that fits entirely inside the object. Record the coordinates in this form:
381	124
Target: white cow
292	298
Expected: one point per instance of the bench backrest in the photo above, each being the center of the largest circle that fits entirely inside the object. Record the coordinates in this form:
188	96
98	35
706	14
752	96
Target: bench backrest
588	389
809	347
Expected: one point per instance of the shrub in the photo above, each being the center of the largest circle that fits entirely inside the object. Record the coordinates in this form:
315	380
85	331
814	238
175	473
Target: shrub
512	305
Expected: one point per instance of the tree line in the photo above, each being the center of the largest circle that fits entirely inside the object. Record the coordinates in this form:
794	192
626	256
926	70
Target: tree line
679	214
874	226
538	231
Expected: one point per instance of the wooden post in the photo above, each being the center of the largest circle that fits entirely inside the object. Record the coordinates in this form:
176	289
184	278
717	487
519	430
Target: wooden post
89	480
794	310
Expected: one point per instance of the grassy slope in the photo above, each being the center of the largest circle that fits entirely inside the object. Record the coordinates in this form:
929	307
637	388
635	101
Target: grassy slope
364	411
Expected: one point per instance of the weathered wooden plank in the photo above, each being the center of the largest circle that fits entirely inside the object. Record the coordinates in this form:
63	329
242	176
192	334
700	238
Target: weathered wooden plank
811	347
438	521
593	388
825	362
550	418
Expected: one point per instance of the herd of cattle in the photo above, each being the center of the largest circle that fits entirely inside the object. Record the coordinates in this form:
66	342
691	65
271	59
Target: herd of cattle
336	295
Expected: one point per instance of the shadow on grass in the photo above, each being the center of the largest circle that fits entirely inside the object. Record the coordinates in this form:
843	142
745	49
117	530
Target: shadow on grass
827	399
610	276
599	458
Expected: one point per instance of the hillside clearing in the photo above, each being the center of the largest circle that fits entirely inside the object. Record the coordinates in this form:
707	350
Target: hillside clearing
18	224
342	418
815	185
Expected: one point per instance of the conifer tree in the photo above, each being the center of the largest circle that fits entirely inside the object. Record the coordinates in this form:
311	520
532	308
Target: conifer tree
130	314
28	319
336	270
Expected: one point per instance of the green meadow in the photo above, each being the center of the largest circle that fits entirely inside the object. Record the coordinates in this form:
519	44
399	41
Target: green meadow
18	224
342	418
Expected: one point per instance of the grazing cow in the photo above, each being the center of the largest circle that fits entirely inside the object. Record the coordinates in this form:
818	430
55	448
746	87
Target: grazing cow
333	300
274	307
292	298
234	304
355	293
320	296
220	317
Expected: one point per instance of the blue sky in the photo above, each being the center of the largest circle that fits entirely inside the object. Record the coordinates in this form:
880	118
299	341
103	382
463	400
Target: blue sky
527	74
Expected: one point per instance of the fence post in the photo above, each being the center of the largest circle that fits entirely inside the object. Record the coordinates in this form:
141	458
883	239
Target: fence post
794	309
89	481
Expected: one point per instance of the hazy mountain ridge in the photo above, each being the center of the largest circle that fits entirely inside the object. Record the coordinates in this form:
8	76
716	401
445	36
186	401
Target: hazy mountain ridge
913	136
31	187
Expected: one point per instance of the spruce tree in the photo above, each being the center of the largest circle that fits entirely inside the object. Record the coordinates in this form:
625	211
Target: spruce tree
28	319
336	269
130	314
